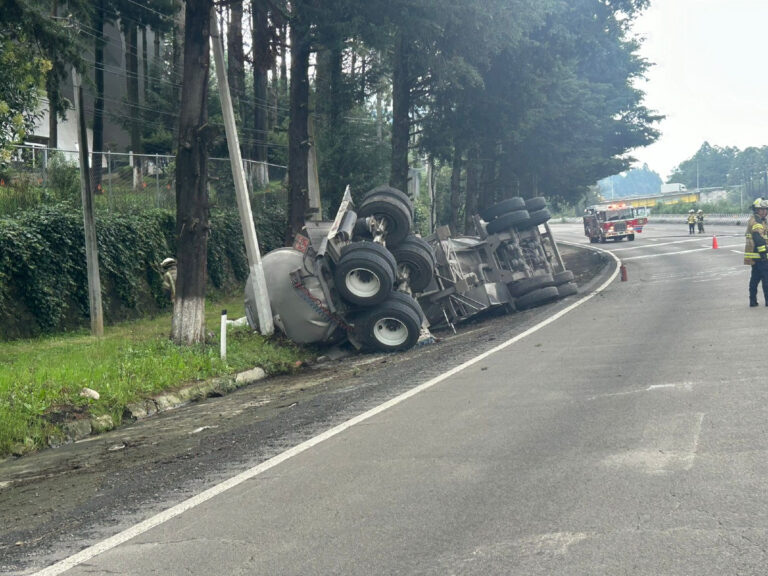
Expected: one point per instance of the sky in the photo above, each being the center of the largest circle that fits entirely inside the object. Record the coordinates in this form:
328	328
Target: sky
710	77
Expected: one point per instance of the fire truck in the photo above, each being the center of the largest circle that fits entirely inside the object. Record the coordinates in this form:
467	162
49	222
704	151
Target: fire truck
615	221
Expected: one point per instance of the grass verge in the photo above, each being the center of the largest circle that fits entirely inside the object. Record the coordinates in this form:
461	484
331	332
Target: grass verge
41	379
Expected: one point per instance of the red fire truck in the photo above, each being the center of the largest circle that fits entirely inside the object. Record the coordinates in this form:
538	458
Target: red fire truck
612	221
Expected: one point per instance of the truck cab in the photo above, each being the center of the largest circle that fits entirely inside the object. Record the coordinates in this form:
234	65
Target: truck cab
615	221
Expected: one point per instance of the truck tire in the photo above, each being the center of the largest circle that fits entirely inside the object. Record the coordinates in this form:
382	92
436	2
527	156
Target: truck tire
362	276
418	257
567	289
631	237
394	212
395	324
374	247
537	203
526	285
562	277
391	192
507	221
538	217
508	205
537	297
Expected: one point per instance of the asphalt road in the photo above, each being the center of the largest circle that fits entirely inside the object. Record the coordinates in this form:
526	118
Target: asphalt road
622	434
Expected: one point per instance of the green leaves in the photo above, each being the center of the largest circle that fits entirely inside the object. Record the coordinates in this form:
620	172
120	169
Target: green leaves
43	281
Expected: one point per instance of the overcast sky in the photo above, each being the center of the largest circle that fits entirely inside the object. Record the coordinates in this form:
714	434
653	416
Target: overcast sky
710	77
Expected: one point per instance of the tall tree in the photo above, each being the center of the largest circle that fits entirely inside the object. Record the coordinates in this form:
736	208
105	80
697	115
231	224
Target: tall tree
236	56
298	137
99	19
263	59
133	17
192	206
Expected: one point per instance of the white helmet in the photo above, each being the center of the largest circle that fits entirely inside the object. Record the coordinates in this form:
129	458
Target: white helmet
691	211
168	262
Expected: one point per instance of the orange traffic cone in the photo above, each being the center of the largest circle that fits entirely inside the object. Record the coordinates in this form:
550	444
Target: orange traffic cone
714	242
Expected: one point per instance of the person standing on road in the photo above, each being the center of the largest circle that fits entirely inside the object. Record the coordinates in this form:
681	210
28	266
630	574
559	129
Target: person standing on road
700	221
691	222
756	250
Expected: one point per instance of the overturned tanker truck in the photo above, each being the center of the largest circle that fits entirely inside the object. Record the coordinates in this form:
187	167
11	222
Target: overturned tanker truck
368	279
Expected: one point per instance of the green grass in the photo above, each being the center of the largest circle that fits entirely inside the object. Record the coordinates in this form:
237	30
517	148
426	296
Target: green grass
41	379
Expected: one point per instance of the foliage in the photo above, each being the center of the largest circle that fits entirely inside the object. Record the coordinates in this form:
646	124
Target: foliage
23	73
35	48
637	182
350	155
729	168
43	283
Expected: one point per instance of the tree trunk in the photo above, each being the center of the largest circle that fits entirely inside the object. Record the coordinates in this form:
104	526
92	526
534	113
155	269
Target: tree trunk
284	61
236	57
192	208
98	101
401	105
471	188
487	173
298	136
178	51
329	86
261	64
132	87
455	202
52	88
144	63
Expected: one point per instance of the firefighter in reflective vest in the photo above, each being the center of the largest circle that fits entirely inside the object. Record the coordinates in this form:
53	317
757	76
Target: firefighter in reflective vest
756	250
700	221
691	222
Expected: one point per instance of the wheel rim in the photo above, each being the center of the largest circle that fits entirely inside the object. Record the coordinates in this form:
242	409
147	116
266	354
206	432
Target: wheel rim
390	331
362	283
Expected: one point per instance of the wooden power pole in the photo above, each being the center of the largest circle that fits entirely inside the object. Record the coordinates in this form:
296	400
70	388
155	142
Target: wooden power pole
89	223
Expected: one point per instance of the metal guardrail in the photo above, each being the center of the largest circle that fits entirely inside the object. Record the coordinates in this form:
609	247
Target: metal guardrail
726	219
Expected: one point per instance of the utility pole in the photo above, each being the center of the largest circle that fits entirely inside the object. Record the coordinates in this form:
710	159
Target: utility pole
313	180
697	177
259	283
89	223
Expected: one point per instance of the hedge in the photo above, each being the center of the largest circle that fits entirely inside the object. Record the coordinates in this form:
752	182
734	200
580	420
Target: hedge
43	278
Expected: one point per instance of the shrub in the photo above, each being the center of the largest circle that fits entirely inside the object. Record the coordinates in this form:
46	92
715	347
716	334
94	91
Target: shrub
43	276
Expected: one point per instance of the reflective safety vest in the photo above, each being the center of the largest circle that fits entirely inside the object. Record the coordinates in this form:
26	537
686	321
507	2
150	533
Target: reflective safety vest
691	219
755	226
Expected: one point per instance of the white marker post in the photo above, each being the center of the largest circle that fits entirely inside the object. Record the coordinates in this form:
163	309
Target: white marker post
223	339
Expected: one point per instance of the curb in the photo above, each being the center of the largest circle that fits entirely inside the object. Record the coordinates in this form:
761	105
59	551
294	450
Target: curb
77	430
192	393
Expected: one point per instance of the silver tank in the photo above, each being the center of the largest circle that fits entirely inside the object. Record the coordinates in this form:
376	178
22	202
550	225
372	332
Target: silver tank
299	305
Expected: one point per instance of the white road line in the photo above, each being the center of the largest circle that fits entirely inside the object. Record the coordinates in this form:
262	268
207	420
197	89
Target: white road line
674	253
142	527
641	246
